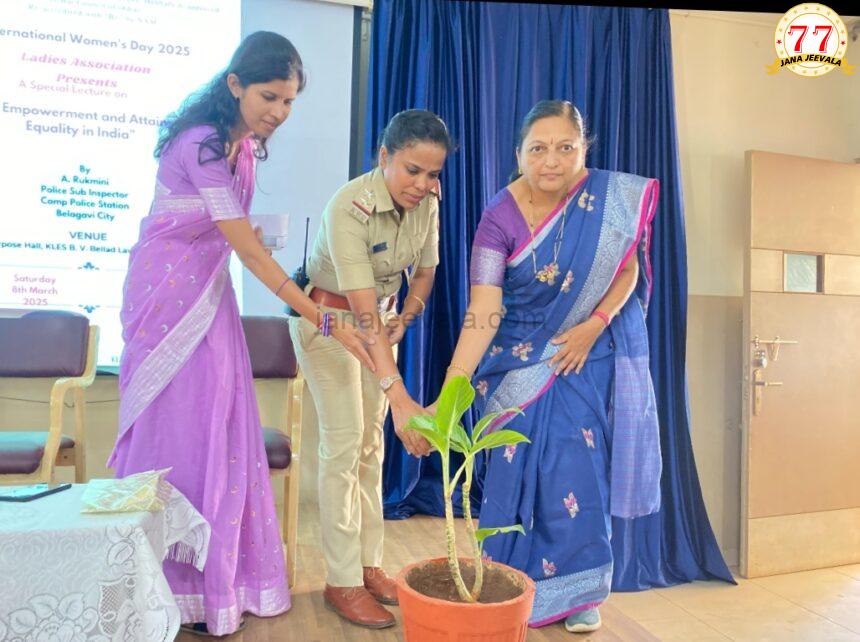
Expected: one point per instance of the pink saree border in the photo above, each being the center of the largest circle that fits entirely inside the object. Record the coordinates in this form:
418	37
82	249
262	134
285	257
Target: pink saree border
647	210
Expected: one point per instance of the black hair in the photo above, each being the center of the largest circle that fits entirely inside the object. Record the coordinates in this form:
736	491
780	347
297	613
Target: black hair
262	56
547	109
413	126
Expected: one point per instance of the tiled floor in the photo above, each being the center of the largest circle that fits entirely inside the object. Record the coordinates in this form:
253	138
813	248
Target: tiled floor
813	606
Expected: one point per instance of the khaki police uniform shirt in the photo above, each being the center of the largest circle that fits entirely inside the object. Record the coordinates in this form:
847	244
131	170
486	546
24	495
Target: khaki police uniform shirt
363	242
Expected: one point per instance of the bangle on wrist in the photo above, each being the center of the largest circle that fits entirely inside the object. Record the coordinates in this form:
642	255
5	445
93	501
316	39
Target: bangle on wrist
602	316
454	366
281	286
420	302
325	325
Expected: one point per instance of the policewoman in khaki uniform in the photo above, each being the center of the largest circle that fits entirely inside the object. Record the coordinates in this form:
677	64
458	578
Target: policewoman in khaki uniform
373	229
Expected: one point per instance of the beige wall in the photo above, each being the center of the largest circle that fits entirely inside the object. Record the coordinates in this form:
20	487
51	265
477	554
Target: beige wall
725	105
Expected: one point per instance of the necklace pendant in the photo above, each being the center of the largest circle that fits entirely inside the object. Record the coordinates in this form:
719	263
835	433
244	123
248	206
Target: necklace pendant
548	274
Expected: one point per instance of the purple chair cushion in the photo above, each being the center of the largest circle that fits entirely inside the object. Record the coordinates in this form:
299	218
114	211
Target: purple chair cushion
270	347
21	452
278	449
47	343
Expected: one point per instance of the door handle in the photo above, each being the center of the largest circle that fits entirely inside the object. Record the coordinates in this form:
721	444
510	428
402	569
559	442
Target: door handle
758	384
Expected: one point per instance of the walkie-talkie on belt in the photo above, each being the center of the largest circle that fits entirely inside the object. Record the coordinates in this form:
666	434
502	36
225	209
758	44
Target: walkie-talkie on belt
300	276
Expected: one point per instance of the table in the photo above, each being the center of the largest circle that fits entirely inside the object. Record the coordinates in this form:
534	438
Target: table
70	576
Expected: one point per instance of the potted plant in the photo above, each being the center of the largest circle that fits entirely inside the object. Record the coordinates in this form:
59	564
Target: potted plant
451	598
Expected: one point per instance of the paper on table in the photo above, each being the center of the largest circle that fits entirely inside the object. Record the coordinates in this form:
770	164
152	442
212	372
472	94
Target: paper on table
143	491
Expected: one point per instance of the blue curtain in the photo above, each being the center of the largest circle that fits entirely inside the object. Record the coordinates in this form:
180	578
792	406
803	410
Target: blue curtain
481	66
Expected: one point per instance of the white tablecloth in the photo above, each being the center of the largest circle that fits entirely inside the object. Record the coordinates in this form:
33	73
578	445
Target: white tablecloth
68	576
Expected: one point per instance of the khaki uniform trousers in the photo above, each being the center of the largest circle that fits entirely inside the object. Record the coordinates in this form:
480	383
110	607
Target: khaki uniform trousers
351	408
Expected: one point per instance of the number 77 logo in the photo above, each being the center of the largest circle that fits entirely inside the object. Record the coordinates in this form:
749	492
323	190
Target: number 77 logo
798	45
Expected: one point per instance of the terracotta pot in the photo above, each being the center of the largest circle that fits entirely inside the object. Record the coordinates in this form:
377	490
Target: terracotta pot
428	619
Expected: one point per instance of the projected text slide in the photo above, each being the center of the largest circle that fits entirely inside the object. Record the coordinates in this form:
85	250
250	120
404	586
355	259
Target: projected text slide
85	85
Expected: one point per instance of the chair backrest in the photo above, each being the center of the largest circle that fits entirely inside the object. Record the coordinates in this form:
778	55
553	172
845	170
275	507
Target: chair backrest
270	347
43	343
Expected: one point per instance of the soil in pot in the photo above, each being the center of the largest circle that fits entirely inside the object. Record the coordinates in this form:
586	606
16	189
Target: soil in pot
434	580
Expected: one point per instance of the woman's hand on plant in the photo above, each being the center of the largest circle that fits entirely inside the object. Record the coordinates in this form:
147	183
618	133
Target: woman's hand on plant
401	412
575	344
354	340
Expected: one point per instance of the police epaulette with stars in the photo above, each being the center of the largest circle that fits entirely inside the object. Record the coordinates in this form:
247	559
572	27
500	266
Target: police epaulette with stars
363	206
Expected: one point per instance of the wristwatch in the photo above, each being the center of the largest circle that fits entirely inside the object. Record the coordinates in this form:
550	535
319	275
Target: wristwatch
386	382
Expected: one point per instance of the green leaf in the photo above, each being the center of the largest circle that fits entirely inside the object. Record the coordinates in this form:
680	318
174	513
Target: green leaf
421	421
483	533
499	438
460	441
431	432
487	419
454	400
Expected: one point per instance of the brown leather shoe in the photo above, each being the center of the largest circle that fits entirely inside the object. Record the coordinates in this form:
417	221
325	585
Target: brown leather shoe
356	604
380	586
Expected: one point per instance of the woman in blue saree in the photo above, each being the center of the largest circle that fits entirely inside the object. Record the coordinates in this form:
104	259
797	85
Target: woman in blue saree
556	327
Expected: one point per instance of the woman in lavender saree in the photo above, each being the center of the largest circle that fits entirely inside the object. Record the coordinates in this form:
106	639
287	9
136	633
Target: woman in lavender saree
556	257
186	392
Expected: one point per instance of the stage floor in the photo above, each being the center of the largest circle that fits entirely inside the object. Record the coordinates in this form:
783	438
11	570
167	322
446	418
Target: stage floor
814	606
406	541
